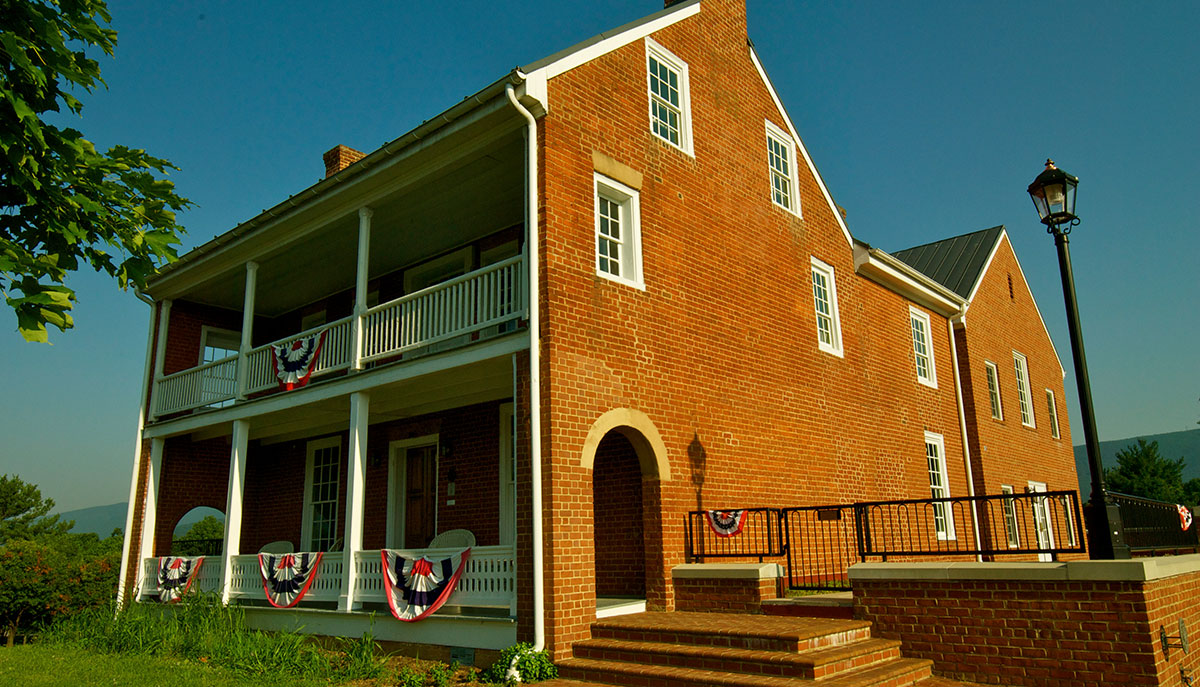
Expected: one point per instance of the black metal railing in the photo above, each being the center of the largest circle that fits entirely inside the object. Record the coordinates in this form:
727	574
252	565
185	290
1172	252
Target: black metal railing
821	544
1155	526
196	547
757	537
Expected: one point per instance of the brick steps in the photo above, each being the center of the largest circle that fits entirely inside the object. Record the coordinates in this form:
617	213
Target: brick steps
730	650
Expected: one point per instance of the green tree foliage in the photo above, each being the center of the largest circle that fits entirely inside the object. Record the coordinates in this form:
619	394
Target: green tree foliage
196	541
1142	471
31	585
62	202
24	514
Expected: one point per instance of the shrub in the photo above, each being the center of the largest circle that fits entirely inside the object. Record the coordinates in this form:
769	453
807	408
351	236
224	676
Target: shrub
520	663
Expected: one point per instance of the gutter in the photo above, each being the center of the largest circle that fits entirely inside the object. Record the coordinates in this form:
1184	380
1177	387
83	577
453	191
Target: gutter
899	276
137	454
962	426
535	381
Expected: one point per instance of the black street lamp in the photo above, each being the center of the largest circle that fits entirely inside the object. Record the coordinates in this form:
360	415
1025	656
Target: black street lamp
1053	193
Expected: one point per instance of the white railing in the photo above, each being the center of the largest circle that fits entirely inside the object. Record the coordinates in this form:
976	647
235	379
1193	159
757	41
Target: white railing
335	355
490	578
443	311
196	387
455	308
247	582
208	578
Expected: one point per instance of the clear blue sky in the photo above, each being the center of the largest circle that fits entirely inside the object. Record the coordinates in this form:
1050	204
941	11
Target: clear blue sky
925	119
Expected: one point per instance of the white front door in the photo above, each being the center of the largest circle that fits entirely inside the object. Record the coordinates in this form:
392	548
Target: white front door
1042	520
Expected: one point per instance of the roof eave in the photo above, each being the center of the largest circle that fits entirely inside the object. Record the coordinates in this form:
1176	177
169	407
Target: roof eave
897	275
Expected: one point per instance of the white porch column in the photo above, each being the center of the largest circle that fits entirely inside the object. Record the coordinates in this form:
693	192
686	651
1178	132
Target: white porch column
355	487
247	327
360	287
233	503
150	510
160	349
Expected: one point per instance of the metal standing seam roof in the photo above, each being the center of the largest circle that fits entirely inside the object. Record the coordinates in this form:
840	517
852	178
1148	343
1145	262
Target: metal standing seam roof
957	262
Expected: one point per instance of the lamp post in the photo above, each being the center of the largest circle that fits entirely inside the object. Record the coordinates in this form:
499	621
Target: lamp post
1053	193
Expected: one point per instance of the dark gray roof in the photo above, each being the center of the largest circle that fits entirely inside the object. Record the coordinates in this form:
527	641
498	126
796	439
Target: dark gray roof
957	262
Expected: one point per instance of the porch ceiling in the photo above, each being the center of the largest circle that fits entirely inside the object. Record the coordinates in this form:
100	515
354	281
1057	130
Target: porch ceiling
478	382
453	203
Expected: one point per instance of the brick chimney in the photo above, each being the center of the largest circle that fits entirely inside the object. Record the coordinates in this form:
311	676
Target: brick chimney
340	157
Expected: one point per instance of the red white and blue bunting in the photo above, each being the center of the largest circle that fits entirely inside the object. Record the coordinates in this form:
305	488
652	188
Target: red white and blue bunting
175	576
1185	517
416	587
293	362
287	576
726	523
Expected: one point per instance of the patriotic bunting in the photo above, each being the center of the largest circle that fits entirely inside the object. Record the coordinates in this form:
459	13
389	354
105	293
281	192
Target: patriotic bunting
726	523
1185	517
293	362
416	587
287	577
175	576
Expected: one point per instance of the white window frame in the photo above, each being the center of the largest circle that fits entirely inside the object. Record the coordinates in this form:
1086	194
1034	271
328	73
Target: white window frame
789	185
918	319
1052	407
1024	389
630	243
668	59
825	271
993	386
1043	522
1012	529
942	511
306	528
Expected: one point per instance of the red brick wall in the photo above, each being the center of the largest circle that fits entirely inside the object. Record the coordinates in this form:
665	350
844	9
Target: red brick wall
720	349
1006	452
723	595
1037	634
194	474
185	326
617	514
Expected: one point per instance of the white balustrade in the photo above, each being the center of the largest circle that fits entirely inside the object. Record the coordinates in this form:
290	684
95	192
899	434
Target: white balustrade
208	577
247	582
490	577
463	305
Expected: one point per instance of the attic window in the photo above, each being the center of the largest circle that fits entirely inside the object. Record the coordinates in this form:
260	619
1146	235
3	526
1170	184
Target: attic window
670	102
1010	290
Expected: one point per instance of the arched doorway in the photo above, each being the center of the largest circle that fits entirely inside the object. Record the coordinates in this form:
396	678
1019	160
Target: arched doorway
198	532
618	521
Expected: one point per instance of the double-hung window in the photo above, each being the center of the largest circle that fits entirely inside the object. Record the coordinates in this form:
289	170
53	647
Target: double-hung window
321	482
939	484
1011	532
922	347
1024	393
670	101
993	386
1053	408
618	232
781	163
829	328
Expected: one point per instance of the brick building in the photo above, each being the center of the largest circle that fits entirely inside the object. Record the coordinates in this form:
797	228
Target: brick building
620	260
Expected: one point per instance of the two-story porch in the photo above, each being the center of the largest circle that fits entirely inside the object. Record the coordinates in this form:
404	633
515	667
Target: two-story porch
407	275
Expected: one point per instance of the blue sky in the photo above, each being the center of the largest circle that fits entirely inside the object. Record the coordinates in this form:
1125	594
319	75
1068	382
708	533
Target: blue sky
926	120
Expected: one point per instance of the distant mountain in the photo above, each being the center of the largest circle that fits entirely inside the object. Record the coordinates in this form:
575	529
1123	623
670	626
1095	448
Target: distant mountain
99	519
104	519
1173	445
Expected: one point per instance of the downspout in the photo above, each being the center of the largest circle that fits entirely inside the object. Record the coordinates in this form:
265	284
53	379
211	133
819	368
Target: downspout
962	425
535	378
137	453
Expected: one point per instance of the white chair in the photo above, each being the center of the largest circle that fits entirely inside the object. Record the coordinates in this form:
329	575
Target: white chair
277	547
453	539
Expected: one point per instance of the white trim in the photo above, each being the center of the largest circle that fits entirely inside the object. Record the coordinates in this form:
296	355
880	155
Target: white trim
206	331
963	435
929	379
143	405
306	518
1024	388
631	246
837	214
900	277
398	485
939	441
603	44
1046	526
628	608
507	476
1008	509
826	270
793	178
990	367
1052	411
655	50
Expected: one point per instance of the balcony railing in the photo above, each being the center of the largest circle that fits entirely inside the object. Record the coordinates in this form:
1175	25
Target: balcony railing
446	313
489	579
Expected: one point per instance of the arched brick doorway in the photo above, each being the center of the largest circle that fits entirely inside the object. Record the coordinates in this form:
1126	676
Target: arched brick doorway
618	524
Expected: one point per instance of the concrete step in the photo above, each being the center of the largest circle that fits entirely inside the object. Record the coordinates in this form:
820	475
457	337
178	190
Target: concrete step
734	631
895	673
831	605
812	664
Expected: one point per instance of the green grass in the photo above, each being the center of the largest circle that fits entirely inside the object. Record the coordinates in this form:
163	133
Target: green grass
41	665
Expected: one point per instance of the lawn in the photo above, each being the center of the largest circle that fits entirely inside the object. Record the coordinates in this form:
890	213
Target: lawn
37	665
